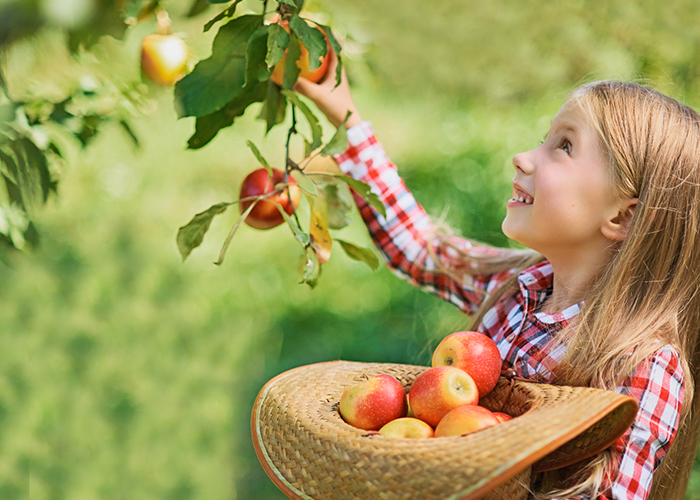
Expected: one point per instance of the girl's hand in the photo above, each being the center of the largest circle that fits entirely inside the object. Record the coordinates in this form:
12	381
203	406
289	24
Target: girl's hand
334	102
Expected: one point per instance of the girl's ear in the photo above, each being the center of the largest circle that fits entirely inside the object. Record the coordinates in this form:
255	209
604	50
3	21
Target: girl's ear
617	227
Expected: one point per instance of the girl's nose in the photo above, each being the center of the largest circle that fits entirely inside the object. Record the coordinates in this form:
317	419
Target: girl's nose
523	162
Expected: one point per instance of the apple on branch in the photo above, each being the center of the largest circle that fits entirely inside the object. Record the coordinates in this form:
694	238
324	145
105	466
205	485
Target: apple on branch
373	403
164	58
303	63
265	214
438	390
465	420
473	352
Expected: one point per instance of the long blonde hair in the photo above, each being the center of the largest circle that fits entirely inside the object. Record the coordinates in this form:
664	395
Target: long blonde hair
647	294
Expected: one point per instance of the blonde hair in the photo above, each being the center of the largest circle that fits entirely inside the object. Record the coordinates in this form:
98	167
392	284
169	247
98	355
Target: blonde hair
647	294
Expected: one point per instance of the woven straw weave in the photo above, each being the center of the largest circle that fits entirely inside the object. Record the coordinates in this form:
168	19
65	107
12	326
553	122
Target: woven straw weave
311	453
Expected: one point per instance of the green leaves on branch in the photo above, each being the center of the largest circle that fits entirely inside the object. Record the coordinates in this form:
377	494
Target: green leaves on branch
191	235
216	81
237	74
328	207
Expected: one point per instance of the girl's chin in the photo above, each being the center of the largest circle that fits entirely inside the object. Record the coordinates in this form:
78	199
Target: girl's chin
512	231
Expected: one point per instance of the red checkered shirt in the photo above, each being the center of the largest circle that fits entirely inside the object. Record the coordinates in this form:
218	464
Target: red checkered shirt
515	323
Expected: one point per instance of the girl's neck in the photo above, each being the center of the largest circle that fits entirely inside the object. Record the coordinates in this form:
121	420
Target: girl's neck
573	278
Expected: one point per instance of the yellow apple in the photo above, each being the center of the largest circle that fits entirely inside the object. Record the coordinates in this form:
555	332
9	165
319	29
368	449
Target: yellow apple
407	427
164	58
465	420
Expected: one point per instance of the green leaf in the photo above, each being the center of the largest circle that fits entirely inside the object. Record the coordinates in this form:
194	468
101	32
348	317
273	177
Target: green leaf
206	127
360	254
218	1
256	66
335	45
310	267
130	132
319	235
217	80
26	172
224	13
259	156
305	183
339	141
231	233
340	204
37	160
274	107
291	70
299	4
277	43
365	192
137	9
298	233
191	235
197	8
312	38
315	125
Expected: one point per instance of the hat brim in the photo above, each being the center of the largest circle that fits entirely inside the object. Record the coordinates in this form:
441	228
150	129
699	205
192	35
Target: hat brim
311	453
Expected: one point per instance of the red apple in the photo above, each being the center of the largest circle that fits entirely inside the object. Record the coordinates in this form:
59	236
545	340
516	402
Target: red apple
465	420
302	63
265	214
438	390
164	58
502	417
372	404
473	352
407	427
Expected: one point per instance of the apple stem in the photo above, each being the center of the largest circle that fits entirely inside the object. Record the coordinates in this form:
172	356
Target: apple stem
163	22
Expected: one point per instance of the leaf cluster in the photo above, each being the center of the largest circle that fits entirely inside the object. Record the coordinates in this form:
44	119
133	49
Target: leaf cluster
39	116
237	74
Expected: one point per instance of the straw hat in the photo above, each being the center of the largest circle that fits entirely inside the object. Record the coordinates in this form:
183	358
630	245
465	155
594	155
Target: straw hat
311	453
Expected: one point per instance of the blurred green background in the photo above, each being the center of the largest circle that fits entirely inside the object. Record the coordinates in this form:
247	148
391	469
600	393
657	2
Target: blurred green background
127	374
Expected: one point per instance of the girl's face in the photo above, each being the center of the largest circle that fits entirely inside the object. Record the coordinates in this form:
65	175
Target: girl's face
562	192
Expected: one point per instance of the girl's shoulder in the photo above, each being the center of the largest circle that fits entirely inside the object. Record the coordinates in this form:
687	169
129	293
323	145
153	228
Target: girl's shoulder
661	373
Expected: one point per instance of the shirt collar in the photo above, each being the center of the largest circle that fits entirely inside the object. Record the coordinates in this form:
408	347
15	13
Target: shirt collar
536	285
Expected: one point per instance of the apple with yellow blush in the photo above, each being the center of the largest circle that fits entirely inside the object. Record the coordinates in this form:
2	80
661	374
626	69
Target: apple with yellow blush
440	389
473	352
373	403
465	420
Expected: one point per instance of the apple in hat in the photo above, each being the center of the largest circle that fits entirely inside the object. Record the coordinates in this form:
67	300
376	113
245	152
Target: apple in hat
438	390
373	403
473	352
407	427
465	420
502	417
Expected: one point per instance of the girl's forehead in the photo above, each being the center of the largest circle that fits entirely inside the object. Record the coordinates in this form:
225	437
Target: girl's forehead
572	116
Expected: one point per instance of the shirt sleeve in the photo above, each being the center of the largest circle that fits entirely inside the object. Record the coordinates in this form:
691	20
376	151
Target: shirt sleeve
404	236
659	388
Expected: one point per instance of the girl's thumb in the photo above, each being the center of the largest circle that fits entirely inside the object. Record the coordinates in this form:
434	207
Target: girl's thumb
305	87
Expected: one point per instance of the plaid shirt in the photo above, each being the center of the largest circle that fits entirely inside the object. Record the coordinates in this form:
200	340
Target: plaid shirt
515	323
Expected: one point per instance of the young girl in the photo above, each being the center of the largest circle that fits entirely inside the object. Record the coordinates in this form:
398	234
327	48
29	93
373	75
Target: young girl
607	297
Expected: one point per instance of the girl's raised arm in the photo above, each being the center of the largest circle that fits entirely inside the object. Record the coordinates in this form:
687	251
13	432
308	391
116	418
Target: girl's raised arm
406	237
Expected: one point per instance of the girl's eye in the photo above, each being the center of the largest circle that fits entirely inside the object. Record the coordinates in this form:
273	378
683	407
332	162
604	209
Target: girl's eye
565	146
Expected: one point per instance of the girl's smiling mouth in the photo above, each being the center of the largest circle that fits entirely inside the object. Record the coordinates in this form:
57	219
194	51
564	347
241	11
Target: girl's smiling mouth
520	196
